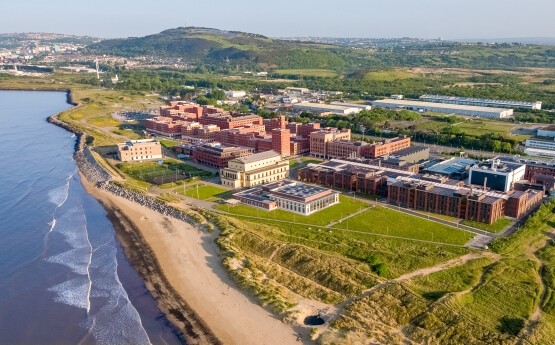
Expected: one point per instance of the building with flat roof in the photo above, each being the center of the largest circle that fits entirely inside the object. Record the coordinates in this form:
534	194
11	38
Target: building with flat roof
139	150
481	102
466	110
290	196
353	105
216	155
446	199
386	147
226	121
319	140
254	170
319	108
548	131
412	154
165	126
496	174
454	168
540	147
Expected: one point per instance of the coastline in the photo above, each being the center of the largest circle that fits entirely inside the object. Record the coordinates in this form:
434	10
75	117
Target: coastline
193	329
180	264
143	259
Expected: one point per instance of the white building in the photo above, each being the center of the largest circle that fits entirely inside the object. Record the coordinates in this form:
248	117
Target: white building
255	170
290	196
353	105
320	108
481	102
235	94
466	110
540	147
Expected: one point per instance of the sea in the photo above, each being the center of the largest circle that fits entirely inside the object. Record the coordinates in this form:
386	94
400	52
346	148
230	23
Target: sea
63	276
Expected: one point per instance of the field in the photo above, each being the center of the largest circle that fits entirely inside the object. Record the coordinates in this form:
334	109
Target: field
169	171
387	75
379	220
202	192
495	227
319	73
333	213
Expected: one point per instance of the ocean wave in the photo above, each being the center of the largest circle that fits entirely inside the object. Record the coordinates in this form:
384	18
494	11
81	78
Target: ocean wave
52	224
77	259
73	292
116	321
59	195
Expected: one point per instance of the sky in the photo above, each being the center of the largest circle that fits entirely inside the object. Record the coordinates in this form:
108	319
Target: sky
449	19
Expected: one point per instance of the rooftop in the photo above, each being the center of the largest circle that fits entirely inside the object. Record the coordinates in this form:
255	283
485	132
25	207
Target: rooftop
259	156
453	165
402	102
323	106
477	100
295	189
139	142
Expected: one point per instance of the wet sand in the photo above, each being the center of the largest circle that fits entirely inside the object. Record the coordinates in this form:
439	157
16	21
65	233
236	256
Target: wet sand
182	269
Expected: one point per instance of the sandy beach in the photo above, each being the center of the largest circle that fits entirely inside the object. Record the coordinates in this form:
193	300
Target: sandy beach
183	270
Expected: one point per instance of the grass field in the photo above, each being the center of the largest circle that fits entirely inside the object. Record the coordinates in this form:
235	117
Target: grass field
386	221
388	75
161	173
103	121
202	192
320	73
495	227
345	207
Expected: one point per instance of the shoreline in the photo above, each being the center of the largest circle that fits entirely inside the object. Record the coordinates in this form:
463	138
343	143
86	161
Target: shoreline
143	259
179	263
177	311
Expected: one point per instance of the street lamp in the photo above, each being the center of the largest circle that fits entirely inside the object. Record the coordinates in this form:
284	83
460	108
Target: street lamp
362	129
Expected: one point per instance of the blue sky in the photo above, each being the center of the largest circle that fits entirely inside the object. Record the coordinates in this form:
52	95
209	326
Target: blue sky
347	18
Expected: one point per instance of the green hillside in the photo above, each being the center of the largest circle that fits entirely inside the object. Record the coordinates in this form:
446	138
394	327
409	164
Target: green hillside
213	45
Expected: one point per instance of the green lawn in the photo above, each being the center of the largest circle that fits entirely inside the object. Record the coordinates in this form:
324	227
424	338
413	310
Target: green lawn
103	121
386	221
388	75
202	192
152	170
345	207
495	227
167	143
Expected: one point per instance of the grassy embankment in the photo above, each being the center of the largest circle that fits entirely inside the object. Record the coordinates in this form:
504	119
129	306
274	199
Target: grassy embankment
494	299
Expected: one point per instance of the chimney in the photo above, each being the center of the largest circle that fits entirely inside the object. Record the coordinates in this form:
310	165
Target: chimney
485	183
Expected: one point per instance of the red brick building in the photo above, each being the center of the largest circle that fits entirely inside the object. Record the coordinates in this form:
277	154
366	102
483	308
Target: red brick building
450	200
385	147
352	177
226	121
164	126
303	129
281	141
186	110
276	123
218	156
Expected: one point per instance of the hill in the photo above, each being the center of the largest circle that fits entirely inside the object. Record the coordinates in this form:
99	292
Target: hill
213	45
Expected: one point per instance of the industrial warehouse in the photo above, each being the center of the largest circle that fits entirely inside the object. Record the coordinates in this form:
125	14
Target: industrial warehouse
466	110
481	102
